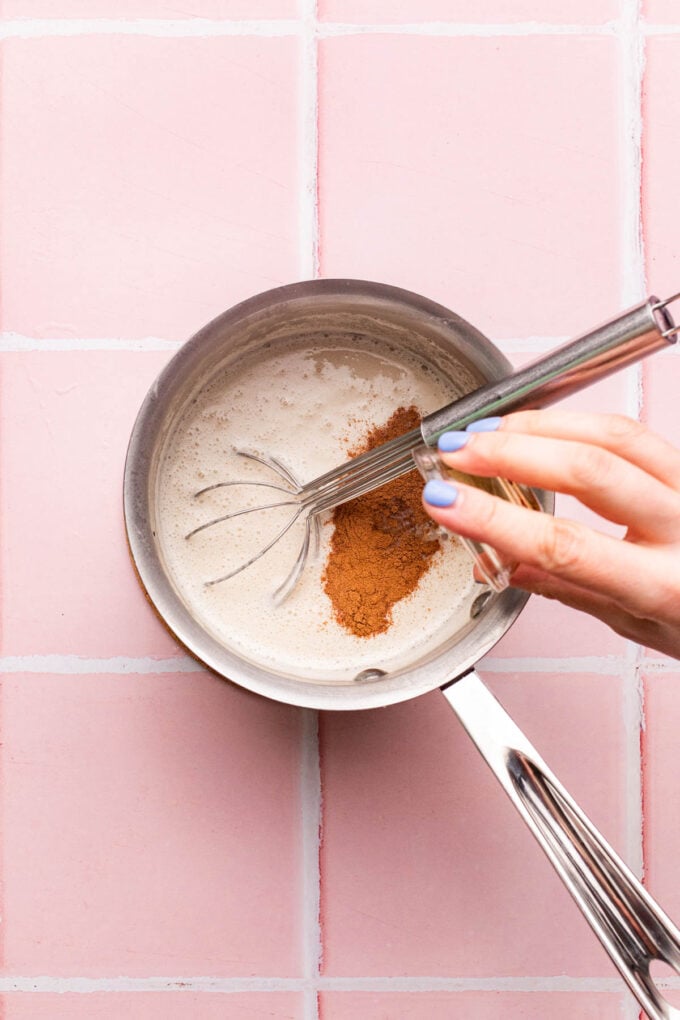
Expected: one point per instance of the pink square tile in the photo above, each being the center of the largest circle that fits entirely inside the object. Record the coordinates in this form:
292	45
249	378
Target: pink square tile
427	870
661	163
150	826
70	587
662	792
665	11
152	1006
502	11
169	9
661	388
549	629
145	204
471	1005
506	215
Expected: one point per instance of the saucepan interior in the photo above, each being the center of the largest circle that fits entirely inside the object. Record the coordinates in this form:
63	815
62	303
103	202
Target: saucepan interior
358	312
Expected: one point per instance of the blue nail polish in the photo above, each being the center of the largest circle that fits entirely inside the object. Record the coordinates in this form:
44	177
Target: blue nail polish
484	425
440	494
449	442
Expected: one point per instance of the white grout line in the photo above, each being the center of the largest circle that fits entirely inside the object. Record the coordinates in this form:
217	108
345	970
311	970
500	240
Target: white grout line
465	30
558	983
236	985
16	342
309	255
632	726
37	28
309	139
77	665
197	28
85	986
633	284
648	29
32	28
657	666
633	290
311	800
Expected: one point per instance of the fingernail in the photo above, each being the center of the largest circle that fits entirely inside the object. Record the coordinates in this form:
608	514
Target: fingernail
440	493
484	425
449	442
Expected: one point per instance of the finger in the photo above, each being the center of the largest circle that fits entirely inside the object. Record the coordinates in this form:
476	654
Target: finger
620	435
563	548
603	481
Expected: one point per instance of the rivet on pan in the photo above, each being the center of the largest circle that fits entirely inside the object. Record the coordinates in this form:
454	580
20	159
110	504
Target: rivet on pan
479	603
370	674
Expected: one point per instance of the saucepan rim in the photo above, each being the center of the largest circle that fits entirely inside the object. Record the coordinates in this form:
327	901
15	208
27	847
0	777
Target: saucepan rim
140	465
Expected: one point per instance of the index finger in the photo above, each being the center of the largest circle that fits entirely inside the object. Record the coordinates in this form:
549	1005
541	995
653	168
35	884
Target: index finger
563	548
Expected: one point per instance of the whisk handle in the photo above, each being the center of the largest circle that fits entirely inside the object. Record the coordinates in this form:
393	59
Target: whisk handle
620	342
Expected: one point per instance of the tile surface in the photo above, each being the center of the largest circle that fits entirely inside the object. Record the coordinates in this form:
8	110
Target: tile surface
171	846
662	795
162	205
146	1006
455	199
472	1005
73	412
661	164
131	798
508	11
426	868
166	9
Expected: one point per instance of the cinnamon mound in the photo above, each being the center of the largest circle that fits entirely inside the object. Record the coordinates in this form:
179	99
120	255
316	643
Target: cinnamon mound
382	542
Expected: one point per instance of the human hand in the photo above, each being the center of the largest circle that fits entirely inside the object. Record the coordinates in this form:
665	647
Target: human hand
613	465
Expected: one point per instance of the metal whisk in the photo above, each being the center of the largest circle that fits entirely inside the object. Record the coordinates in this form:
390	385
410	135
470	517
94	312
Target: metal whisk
646	328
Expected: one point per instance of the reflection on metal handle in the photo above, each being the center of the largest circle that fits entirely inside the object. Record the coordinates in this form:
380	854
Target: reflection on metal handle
646	328
629	924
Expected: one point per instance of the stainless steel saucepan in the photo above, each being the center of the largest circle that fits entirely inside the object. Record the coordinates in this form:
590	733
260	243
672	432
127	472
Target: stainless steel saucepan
632	928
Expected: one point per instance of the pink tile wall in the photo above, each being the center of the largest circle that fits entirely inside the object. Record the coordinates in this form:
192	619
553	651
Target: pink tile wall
426	873
150	826
662	796
425	182
661	164
144	198
161	1006
160	828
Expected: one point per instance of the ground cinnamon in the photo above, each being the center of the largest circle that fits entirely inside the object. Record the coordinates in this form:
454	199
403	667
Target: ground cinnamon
382	543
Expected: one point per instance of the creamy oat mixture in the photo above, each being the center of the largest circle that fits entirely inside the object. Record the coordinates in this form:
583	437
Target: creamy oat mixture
307	407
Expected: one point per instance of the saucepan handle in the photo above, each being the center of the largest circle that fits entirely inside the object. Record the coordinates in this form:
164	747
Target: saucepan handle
629	924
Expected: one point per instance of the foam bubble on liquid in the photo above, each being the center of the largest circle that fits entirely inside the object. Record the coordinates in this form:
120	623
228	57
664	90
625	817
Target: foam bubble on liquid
306	407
